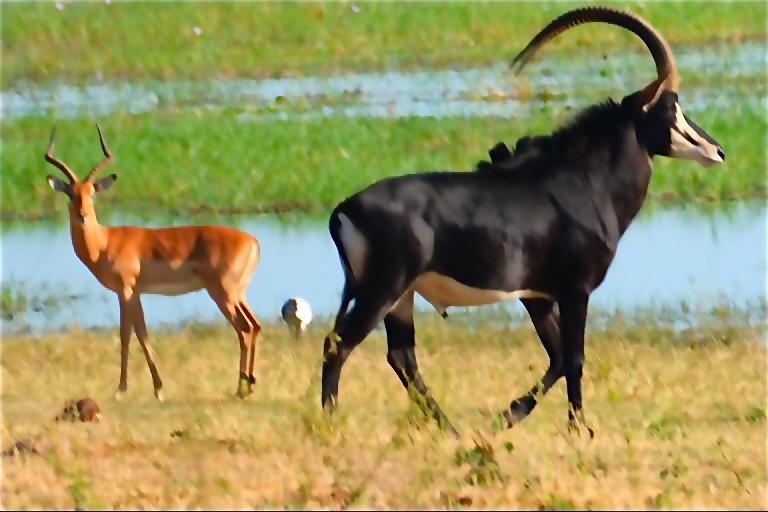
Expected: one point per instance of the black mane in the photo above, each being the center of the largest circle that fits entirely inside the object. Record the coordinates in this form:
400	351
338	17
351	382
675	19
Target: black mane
535	154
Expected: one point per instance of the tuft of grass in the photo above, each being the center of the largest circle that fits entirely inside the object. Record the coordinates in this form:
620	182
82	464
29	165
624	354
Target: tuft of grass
669	433
13	302
482	466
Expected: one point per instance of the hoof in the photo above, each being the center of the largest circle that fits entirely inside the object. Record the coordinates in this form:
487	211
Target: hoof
518	410
243	386
573	428
119	394
241	392
450	429
159	395
510	418
329	405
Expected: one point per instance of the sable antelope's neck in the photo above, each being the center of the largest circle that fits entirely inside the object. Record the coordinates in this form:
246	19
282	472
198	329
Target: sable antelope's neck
89	239
630	188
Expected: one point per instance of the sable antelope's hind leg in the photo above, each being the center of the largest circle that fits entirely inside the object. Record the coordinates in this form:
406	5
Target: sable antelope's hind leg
545	318
401	356
141	334
368	311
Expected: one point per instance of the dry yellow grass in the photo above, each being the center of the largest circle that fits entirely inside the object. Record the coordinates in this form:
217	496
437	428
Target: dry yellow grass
678	425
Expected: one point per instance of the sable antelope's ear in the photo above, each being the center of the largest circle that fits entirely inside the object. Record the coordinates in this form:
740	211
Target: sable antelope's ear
105	183
58	184
650	95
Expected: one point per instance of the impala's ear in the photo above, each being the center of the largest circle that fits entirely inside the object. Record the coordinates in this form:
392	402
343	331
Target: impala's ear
58	184
105	183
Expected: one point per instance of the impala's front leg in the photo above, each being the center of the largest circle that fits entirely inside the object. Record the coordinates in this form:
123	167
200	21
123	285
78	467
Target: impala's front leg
141	333
126	329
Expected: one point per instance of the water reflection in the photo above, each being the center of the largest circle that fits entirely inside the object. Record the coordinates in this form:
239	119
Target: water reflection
492	90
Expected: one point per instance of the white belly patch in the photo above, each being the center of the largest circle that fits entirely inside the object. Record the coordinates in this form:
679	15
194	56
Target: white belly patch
173	288
443	291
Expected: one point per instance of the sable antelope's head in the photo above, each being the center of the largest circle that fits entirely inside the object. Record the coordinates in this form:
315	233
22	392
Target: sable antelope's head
660	120
80	193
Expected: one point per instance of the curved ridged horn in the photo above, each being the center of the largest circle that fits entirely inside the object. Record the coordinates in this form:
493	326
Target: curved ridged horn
51	159
107	157
666	69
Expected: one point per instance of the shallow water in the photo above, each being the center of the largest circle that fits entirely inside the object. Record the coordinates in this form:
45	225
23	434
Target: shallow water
671	256
674	255
490	91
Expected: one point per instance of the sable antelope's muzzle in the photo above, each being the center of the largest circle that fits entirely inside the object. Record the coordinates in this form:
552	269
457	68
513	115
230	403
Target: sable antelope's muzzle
689	141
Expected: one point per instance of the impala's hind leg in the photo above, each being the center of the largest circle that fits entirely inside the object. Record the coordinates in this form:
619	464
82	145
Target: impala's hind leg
401	342
546	319
255	331
229	307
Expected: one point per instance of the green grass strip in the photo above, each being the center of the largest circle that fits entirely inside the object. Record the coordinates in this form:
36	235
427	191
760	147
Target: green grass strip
84	41
192	161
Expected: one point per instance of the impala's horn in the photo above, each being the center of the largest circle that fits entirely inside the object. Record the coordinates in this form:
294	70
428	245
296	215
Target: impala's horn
107	157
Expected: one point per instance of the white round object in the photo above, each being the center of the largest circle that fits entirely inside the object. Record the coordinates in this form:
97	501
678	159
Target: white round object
297	314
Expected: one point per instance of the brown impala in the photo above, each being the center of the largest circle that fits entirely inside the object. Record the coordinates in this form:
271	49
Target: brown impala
131	260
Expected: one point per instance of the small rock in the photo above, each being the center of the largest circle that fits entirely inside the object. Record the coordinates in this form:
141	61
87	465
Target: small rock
85	409
23	447
465	501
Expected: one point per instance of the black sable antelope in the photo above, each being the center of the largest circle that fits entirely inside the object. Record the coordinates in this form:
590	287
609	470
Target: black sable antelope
541	225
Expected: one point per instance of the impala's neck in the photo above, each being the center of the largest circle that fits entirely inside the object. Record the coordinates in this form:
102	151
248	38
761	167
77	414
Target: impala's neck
89	238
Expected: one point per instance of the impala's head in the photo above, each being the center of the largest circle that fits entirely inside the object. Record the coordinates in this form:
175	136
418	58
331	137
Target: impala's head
660	121
80	193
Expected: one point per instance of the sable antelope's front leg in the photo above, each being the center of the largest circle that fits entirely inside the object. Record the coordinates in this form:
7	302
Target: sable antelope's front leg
126	329
573	316
546	320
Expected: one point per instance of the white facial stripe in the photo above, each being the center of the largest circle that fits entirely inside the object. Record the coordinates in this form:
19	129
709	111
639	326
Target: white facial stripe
685	143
